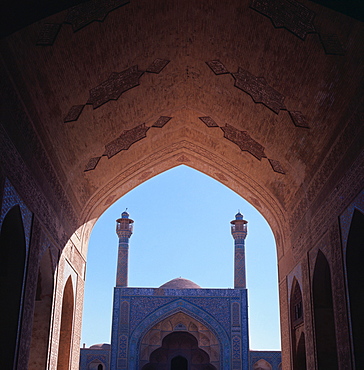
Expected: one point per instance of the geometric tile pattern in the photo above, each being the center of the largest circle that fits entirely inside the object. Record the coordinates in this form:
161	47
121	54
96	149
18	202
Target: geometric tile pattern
85	13
208	121
288	14
235	311
239	268
274	358
79	16
125	140
10	199
73	113
48	33
217	67
236	347
298	119
276	166
261	92
113	87
92	163
331	44
161	121
298	19
243	140
157	65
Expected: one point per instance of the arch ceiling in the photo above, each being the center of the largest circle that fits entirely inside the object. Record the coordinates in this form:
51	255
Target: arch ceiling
119	93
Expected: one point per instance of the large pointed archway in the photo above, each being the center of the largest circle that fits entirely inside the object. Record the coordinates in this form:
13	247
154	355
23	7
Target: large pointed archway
272	111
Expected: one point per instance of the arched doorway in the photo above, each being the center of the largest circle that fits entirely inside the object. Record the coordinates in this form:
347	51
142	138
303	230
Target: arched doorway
65	337
12	267
297	327
325	333
179	363
179	351
355	278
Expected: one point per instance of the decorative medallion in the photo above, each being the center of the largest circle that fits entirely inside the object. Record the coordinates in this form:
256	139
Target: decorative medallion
80	16
112	88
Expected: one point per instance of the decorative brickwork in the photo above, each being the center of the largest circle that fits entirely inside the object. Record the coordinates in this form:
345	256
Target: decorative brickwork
217	67
208	121
289	14
239	272
243	141
74	113
236	345
80	16
235	309
273	358
331	44
338	291
276	166
298	119
259	90
345	139
10	199
112	88
157	66
126	140
92	163
124	317
48	34
29	296
161	121
83	14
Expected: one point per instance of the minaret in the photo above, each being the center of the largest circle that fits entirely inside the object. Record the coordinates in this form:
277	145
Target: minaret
238	231
124	229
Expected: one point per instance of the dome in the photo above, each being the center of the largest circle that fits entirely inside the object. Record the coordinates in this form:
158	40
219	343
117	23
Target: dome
180	283
239	216
125	215
101	346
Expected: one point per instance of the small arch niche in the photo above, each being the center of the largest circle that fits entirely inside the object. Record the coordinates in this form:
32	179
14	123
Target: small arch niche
12	268
325	333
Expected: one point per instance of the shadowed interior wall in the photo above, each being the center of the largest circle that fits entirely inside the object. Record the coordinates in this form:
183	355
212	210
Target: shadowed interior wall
324	315
297	327
12	264
354	261
42	314
65	338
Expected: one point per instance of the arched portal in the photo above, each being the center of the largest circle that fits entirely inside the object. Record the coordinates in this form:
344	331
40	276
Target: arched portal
180	322
12	267
325	333
65	337
179	351
355	277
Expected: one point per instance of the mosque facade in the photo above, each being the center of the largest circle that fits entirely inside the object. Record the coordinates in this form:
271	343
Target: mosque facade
179	326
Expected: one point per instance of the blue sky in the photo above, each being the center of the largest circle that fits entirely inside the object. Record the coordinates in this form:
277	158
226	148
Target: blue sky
182	229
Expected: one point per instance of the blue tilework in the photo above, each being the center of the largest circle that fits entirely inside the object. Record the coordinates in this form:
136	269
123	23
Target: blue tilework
273	357
10	199
180	305
87	355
